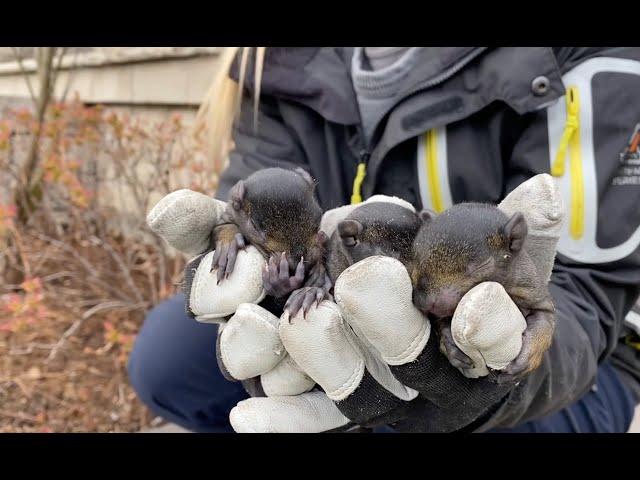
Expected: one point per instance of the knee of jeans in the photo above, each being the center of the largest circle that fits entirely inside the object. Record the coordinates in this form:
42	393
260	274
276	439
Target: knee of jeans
141	376
149	371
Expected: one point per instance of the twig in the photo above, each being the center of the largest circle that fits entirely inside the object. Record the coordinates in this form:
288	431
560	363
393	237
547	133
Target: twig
20	416
54	399
43	258
90	269
72	71
56	275
26	76
30	347
123	268
26	391
56	70
78	323
21	252
30	173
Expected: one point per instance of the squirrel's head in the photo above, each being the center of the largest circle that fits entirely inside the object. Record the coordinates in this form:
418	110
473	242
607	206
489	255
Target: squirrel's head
467	244
379	228
275	209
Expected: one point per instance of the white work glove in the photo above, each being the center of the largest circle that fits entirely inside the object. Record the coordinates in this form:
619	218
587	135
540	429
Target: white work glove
373	353
249	346
185	220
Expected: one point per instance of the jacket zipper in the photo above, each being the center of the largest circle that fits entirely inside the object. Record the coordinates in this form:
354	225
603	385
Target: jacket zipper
422	86
361	172
570	141
433	176
365	154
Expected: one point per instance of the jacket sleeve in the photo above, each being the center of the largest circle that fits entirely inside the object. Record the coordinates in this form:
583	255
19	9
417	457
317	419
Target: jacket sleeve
596	277
272	144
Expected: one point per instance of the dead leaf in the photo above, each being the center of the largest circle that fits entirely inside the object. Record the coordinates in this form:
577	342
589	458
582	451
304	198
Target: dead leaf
33	373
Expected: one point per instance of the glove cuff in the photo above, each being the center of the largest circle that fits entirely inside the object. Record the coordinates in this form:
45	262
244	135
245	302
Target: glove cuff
437	380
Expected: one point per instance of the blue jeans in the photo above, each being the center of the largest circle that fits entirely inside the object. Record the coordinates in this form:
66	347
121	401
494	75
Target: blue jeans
173	369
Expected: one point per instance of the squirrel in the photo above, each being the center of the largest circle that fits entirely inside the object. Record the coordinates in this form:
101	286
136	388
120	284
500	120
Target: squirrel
468	244
274	209
375	228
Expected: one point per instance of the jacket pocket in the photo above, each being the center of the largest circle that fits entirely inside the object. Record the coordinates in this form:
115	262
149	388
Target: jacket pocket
589	130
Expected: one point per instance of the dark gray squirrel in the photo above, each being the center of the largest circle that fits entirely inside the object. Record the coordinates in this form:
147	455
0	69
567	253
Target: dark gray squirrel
466	245
446	255
373	228
274	209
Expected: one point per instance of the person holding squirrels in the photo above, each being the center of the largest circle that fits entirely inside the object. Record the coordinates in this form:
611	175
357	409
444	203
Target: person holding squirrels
433	127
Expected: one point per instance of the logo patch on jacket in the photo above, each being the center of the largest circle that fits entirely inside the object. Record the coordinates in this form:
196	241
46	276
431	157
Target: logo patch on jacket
629	169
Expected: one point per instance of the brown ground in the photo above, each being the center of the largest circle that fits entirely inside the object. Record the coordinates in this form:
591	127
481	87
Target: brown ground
66	334
83	389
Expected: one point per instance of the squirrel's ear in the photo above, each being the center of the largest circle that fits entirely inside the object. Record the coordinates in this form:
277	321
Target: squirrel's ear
427	215
516	231
307	177
236	195
349	231
322	239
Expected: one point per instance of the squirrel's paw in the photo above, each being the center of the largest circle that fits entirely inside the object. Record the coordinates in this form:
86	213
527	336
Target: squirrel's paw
276	278
456	357
527	360
303	299
224	257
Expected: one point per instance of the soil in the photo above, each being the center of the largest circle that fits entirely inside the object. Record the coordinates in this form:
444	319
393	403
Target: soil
83	389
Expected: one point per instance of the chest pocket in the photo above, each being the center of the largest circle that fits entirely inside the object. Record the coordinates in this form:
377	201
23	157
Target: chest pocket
432	168
588	131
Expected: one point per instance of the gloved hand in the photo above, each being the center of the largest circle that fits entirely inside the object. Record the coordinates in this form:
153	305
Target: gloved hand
185	220
248	346
376	359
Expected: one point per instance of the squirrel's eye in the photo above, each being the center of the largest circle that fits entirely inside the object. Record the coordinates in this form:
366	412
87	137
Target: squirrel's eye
256	225
479	269
506	256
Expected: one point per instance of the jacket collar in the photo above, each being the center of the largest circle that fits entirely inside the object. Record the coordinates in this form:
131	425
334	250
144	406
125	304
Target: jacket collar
498	75
317	77
320	77
450	84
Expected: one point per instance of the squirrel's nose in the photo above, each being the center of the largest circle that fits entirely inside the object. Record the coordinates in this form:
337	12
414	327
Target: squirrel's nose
444	303
440	310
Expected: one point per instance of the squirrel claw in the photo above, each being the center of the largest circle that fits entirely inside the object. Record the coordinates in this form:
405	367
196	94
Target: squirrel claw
276	279
303	299
224	258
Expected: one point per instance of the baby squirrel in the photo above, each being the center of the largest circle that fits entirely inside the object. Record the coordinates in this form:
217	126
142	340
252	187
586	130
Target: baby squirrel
274	209
468	244
376	228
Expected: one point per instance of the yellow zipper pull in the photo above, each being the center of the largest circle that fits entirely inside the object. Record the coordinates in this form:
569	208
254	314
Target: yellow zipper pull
629	340
570	142
431	149
361	172
570	127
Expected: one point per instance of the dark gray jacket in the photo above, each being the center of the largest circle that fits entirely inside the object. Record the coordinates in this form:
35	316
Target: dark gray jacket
472	124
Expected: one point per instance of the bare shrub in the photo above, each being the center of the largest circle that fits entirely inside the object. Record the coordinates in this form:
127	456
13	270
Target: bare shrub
82	269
